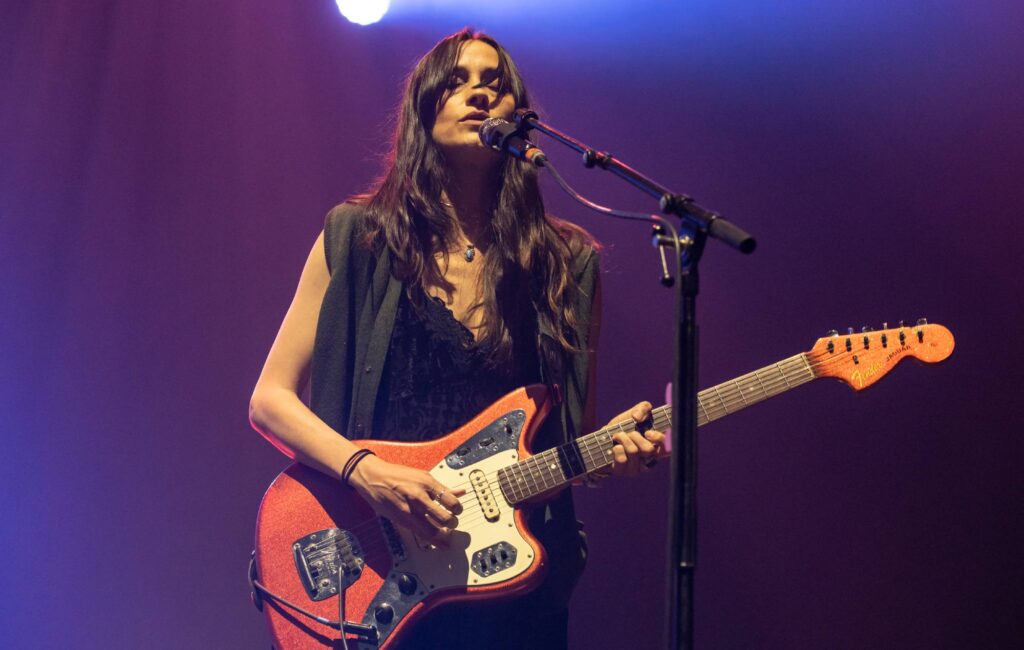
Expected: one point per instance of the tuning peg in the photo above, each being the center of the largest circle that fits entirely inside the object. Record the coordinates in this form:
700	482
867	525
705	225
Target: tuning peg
865	329
922	321
832	333
849	330
885	325
902	325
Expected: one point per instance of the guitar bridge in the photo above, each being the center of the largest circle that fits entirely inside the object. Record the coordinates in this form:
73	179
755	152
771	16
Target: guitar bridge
321	556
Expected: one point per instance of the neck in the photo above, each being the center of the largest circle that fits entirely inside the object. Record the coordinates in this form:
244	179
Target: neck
555	468
471	195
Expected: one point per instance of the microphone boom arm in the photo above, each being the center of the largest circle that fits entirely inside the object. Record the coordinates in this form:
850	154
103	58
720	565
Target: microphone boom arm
681	205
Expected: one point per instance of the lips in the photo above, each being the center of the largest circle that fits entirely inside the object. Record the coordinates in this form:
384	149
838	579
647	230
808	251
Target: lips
477	116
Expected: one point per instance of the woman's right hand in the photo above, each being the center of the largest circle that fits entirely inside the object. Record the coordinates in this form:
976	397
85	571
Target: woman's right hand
410	498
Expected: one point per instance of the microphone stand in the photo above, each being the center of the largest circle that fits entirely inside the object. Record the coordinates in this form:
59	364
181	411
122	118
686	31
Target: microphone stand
697	224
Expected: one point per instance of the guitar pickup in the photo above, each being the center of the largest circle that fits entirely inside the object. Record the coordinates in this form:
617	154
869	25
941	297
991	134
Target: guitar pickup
484	495
393	539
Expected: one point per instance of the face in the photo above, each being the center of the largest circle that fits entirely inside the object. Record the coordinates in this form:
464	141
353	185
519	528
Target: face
472	98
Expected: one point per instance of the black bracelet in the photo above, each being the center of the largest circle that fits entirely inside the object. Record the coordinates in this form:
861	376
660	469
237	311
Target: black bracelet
350	464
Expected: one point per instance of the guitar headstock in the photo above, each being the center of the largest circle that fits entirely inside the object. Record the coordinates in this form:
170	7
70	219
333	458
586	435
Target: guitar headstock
861	359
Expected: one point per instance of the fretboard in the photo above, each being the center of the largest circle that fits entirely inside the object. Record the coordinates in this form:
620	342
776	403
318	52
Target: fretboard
556	467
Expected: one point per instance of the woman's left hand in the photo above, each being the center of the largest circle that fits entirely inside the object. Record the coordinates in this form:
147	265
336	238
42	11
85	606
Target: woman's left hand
636	452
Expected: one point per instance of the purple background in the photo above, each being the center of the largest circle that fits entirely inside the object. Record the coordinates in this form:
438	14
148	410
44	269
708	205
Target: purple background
166	166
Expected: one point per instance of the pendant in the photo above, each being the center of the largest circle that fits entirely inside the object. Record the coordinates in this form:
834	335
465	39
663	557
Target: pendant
470	252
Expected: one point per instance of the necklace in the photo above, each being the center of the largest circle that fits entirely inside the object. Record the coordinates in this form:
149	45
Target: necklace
470	248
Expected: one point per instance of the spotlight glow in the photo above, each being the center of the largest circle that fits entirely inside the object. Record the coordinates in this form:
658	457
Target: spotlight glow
363	12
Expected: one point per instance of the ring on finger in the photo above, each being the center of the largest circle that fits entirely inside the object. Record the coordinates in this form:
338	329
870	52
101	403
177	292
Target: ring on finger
439	495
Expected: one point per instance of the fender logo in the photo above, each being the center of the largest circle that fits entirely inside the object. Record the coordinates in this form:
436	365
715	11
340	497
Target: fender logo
858	378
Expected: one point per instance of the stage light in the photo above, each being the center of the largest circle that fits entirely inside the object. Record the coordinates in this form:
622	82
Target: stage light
363	12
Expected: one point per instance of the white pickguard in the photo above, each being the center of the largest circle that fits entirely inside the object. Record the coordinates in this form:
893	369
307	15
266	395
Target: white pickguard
439	567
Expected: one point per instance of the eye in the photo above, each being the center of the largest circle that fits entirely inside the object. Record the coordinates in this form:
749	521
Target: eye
455	81
493	81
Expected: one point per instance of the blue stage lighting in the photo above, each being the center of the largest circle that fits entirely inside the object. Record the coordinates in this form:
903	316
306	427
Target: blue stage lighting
363	12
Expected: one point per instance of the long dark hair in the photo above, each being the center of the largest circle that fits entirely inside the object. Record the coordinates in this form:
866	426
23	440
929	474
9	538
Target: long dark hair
530	260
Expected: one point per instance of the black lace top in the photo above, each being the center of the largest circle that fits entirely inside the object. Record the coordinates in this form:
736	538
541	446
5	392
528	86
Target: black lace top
435	378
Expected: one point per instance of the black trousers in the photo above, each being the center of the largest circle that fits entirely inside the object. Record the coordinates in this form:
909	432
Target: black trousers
538	620
491	627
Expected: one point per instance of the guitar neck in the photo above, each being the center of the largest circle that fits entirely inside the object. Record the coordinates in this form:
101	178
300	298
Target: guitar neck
556	467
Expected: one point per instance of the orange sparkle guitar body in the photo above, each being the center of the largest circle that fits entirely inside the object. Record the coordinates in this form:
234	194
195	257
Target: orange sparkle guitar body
301	501
317	540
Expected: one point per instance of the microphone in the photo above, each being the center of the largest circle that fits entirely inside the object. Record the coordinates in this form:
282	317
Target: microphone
502	135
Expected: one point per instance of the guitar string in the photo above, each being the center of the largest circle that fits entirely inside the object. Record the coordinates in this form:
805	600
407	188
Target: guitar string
726	392
731	390
532	465
729	395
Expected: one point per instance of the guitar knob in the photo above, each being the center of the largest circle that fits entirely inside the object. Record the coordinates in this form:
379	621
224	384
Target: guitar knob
407	584
832	333
922	321
384	613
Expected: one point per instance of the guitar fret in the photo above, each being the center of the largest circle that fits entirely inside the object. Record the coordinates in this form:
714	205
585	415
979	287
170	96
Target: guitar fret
799	371
700	404
807	365
521	484
757	376
555	467
721	401
535	476
662	420
596	460
544	469
741	391
587	452
604	444
783	373
508	483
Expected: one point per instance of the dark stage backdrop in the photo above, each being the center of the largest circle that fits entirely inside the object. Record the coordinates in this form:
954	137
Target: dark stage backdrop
166	166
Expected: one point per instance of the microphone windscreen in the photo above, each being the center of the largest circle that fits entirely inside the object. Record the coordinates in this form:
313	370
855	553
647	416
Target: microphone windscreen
494	131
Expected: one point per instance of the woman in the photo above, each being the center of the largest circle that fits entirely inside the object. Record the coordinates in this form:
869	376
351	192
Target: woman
427	299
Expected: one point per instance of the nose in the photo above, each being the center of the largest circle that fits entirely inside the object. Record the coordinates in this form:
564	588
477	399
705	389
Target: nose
480	98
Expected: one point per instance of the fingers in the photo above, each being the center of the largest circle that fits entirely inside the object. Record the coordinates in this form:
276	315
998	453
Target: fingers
628	451
636	451
657	439
449	499
419	502
641	412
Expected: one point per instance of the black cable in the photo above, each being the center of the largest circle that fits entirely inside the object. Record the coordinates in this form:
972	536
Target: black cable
263	592
341	599
545	162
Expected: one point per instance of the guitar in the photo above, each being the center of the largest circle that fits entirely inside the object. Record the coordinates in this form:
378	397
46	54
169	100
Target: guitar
317	542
